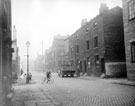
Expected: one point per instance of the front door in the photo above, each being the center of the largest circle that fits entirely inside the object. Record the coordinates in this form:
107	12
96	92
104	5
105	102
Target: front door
80	66
85	66
102	65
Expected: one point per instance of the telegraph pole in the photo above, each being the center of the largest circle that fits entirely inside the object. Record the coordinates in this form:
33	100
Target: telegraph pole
27	77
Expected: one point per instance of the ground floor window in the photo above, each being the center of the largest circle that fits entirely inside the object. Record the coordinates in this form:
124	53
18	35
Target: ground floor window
97	60
132	44
88	62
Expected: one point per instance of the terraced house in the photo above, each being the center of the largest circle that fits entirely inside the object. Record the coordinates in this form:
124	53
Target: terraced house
98	45
129	32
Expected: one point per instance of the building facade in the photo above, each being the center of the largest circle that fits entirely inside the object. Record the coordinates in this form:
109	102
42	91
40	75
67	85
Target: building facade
15	57
5	51
98	46
49	60
129	32
58	51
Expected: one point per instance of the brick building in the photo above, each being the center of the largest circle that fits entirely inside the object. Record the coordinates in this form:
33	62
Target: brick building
15	56
98	45
58	51
129	32
5	51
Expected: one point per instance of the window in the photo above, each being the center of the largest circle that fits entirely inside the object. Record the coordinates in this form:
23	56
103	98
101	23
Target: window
71	49
95	41
87	45
77	48
76	36
87	29
132	44
77	63
131	9
88	62
94	24
96	60
72	62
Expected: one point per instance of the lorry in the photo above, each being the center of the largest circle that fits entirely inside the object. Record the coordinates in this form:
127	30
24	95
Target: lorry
66	70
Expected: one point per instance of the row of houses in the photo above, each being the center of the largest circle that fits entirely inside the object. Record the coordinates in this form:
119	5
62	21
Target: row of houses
104	45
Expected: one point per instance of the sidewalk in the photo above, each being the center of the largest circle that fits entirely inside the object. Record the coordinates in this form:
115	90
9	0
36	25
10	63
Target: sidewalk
122	81
30	95
21	81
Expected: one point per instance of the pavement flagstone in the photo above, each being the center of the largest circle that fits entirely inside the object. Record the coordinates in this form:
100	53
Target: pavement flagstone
28	95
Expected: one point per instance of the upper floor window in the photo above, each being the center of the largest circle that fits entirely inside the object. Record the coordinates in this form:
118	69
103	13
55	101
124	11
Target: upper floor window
76	36
95	41
87	29
131	9
77	48
87	45
71	49
132	44
94	24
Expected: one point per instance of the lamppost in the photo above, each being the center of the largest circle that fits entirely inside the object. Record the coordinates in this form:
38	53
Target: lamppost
27	77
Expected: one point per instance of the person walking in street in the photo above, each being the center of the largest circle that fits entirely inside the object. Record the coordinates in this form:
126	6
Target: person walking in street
48	76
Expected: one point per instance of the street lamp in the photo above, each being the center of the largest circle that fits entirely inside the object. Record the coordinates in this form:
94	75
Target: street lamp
27	77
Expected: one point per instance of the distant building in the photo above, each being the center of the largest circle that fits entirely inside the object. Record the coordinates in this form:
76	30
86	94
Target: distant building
98	46
129	31
15	56
58	50
49	60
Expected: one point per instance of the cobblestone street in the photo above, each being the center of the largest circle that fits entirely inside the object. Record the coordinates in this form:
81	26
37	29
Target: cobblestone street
73	92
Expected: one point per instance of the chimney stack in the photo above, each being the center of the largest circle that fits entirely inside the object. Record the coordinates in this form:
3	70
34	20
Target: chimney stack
103	8
84	22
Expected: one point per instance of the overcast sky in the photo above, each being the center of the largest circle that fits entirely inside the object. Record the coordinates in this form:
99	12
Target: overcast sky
40	20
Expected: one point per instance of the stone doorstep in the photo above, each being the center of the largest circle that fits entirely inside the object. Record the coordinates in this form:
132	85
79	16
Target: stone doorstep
130	83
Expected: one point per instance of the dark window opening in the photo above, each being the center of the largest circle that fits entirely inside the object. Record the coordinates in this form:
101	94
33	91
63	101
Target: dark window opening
96	41
87	44
132	44
77	48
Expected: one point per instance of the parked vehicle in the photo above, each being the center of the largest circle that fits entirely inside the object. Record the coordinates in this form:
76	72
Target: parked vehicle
66	70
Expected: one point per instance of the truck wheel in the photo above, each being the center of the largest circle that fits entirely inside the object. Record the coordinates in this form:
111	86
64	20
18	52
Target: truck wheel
62	75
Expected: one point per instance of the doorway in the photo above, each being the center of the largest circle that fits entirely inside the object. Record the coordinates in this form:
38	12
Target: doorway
102	65
85	66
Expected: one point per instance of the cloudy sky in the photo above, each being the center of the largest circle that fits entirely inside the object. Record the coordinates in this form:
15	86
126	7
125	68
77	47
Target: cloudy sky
39	20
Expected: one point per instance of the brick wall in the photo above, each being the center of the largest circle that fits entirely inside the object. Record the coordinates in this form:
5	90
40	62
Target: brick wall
129	33
109	31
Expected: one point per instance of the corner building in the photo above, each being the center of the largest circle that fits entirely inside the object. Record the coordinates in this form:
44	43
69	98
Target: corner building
129	34
98	46
5	52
